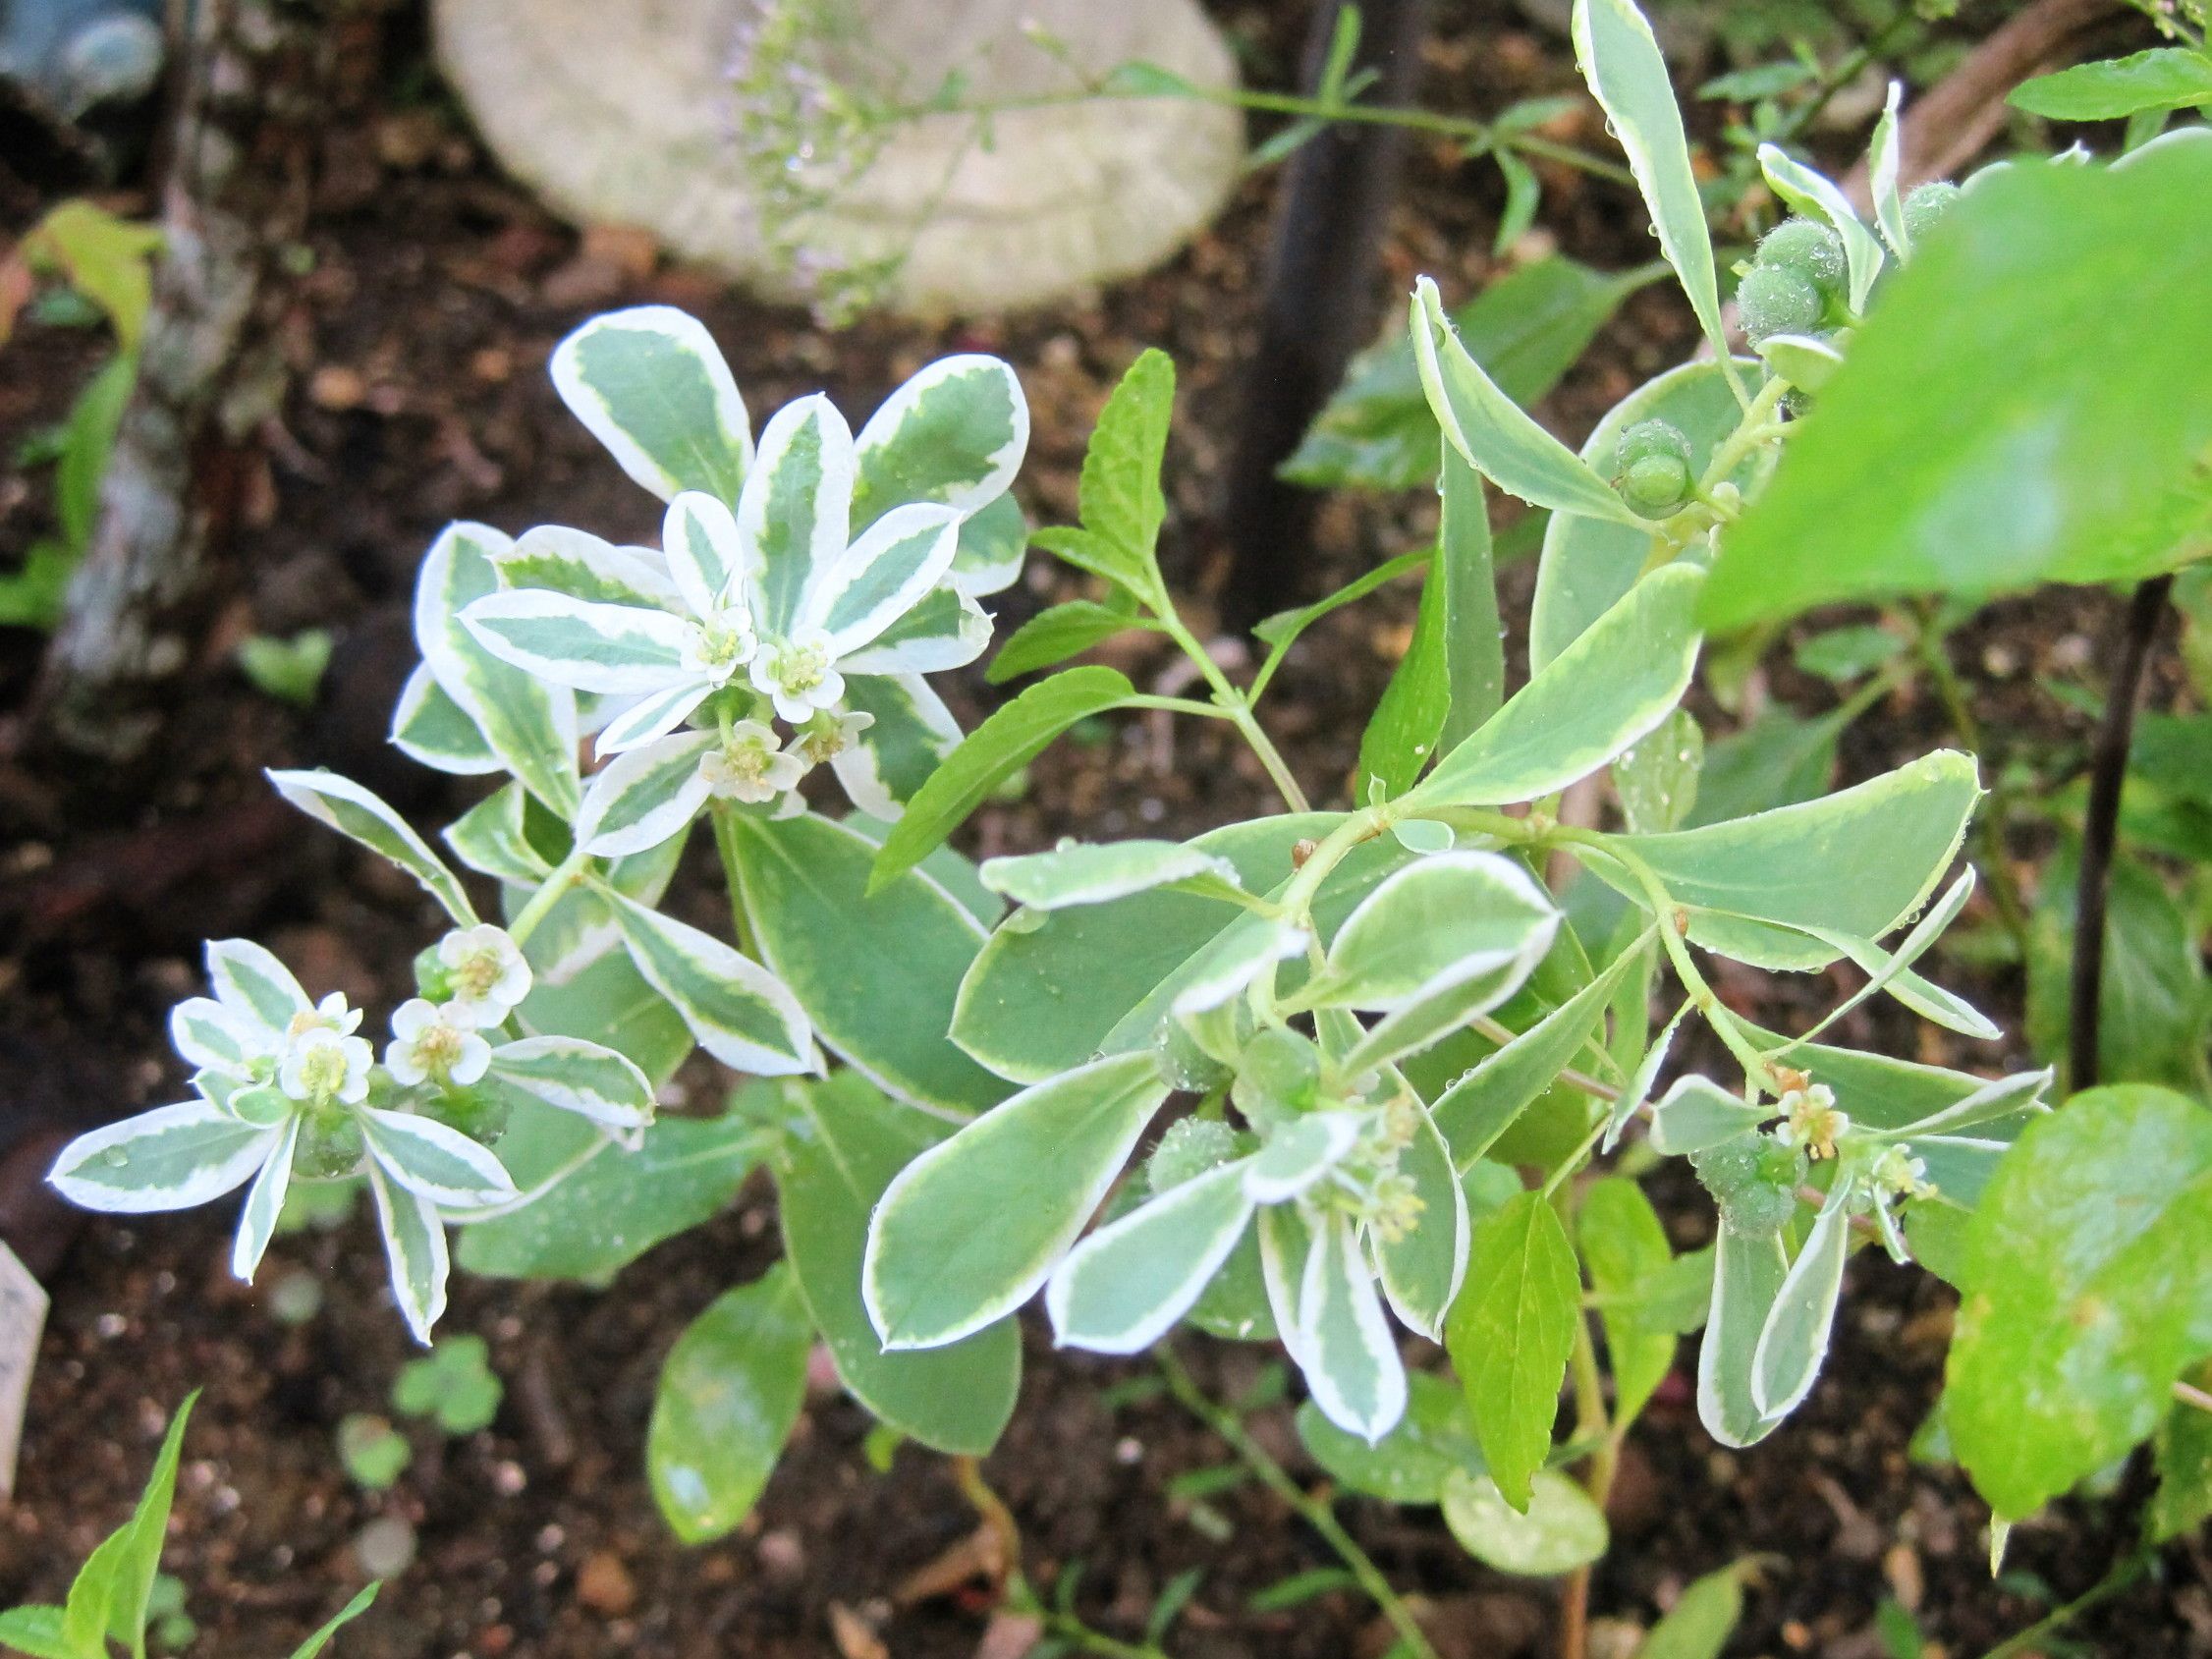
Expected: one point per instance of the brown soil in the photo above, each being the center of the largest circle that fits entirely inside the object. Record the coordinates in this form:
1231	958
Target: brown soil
417	344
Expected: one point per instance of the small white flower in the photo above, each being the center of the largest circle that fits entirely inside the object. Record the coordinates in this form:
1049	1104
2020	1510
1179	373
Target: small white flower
426	1045
485	973
720	644
1900	1175
750	765
829	735
323	1066
1813	1122
800	673
329	1015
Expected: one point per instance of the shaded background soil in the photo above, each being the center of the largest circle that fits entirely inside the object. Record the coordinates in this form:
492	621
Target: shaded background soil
431	291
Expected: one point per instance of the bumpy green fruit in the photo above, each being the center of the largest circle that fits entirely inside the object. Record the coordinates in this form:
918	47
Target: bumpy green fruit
1191	1147
1925	205
1775	300
1278	1077
1809	249
1182	1064
330	1146
481	1117
1654	469
1753	1180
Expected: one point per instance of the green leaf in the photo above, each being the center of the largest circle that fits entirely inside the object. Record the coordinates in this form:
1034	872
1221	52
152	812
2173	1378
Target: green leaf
2183	1458
1621	60
87	442
1657	779
1474	650
1400	736
1525	329
1038	1164
345	1616
1747	1273
107	259
1492	432
1014	736
2088	1289
38	1632
955	433
1556	1532
1409	1463
1702	1618
725	1405
1119	493
2077	463
956	1398
1860	861
1055	635
1777	761
1625	1249
1125	1286
357	813
374	1454
595	1222
1510	1335
288	669
453	1383
2154	1005
2163	77
823	925
109	1596
1589	562
738	1011
651	385
1616	682
1094	873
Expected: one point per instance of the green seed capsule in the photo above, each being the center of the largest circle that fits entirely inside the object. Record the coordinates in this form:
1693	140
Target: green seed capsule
1809	250
1191	1147
1772	300
1652	467
1925	205
1278	1077
330	1146
1184	1064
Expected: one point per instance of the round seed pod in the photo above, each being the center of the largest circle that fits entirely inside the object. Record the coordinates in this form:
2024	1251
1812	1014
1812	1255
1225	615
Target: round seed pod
1183	1065
330	1146
1189	1147
1773	300
1926	204
1652	466
1810	250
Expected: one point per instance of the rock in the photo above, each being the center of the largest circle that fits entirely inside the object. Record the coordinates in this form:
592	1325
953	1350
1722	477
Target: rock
640	115
604	1584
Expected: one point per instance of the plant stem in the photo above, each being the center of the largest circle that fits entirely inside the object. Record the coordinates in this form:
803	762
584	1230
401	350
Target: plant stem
1016	1594
1233	706
564	875
2122	1573
2108	772
1316	1513
1989	826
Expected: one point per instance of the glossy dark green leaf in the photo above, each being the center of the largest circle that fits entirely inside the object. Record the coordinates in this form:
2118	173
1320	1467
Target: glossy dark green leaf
2088	1289
1923	471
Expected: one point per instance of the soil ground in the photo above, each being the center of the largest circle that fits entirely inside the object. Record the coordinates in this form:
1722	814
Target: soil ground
416	345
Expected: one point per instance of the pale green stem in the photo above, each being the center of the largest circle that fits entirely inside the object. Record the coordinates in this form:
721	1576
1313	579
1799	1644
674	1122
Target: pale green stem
564	876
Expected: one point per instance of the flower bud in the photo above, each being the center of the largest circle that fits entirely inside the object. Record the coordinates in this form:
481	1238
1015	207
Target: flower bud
1926	204
1807	249
1653	471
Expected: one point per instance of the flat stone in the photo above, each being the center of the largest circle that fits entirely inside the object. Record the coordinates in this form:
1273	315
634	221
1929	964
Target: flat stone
638	113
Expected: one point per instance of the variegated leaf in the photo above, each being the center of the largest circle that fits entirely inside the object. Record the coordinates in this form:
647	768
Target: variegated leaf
430	728
170	1158
651	385
644	796
434	1160
882	575
577	563
797	507
489	839
944	630
250	981
954	433
911	732
414	1247
356	812
574	1076
1123	1288
741	1014
578	642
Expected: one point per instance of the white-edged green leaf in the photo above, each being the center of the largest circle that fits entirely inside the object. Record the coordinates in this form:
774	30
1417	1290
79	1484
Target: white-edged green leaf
1443	918
212	1037
264	1202
355	813
1300	1152
560	560
1747	1274
706	556
644	794
1121	1288
883	575
1284	1243
170	1158
528	724
571	1075
1493	433
1351	1360
2002	1097
624	650
1891	970
651	385
1247	948
1483	1104
943	629
877	971
1409	1463
954	432
490	838
434	1160
1620	58
1807	362
909	735
1095	872
796	511
1857	862
1424	1266
1614	684
250	981
994	540
1698	1112
1787	1359
1014	734
726	1402
415	1248
1882	165
741	1013
429	727
1560	1529
956	1398
1035	1166
1816	197
653	716
1510	1335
